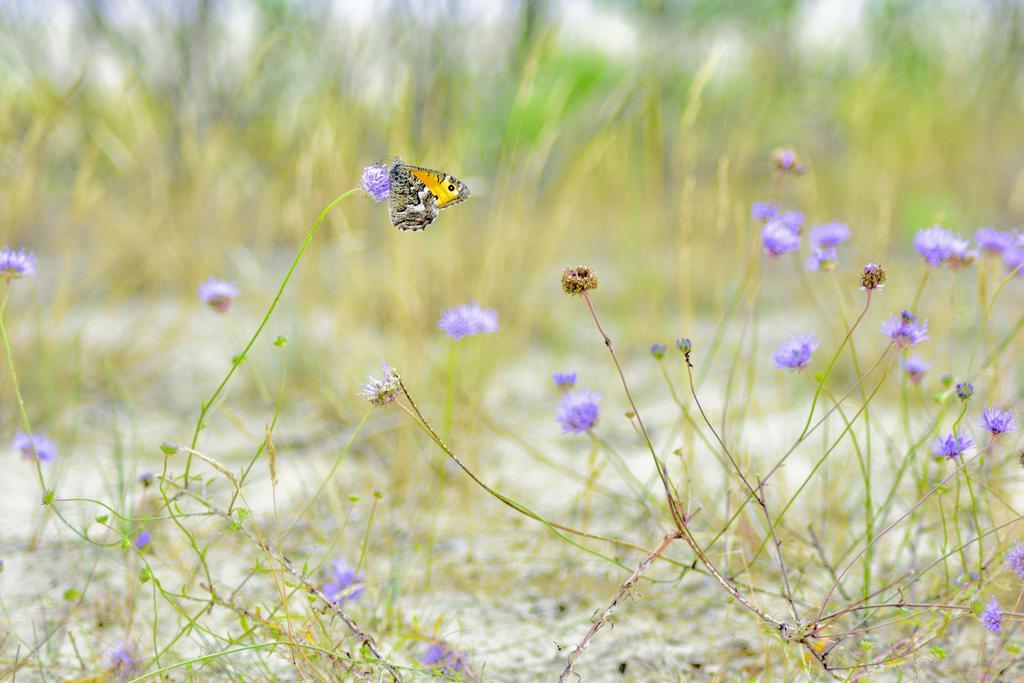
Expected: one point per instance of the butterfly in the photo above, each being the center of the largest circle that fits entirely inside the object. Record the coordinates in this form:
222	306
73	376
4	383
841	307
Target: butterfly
418	194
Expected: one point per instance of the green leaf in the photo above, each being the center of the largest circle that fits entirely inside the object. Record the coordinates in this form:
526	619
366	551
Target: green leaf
145	574
168	449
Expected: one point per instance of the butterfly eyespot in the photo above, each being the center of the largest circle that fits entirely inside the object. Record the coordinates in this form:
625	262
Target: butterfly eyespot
451	188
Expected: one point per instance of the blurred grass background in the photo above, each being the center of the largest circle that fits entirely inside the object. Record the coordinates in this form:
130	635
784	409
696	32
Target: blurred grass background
147	145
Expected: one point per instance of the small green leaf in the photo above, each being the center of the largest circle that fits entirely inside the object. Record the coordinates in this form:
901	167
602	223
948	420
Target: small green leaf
938	652
168	449
72	594
47	497
102	519
145	574
280	341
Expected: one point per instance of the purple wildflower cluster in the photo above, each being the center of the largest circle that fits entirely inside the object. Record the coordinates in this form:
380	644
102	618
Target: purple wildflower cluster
795	352
123	660
1003	243
445	659
992	616
916	368
564	380
376	182
952	445
343	583
33	446
938	246
218	294
905	330
578	411
997	421
16	264
1015	559
468	319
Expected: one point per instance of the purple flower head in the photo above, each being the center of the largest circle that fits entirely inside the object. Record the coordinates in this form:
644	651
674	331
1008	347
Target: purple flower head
830	235
952	445
996	421
376	182
964	390
564	380
934	244
143	539
794	220
123	659
341	583
779	238
905	330
916	368
762	211
34	445
658	350
961	255
444	658
381	392
468	319
15	264
795	352
146	479
785	161
994	241
992	616
822	258
1015	559
218	294
578	411
1013	259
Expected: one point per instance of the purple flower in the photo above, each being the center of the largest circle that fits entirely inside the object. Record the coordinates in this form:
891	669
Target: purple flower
916	368
34	445
934	244
1015	559
658	350
821	259
564	380
381	392
578	411
830	235
146	479
341	583
961	254
964	390
15	264
468	319
762	211
785	161
905	330
992	616
794	220
779	238
997	421
123	659
1013	259
376	182
446	659
218	294
143	539
794	353
995	241
952	445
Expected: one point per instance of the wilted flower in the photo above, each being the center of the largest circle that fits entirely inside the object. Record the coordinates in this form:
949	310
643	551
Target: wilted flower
952	445
340	585
905	330
123	660
785	161
872	277
579	279
446	659
779	238
658	350
578	411
143	539
795	352
830	234
381	392
564	380
964	390
16	264
34	445
762	211
997	421
218	294
992	616
1015	559
821	259
916	368
995	241
468	319
376	182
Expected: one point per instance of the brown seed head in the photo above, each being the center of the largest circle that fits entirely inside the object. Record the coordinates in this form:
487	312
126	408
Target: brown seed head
578	279
872	277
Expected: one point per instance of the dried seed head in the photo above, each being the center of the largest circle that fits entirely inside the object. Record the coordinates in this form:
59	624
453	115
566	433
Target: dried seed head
381	392
578	280
872	277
